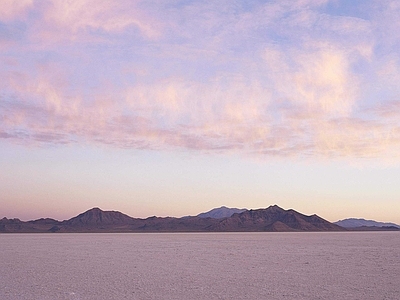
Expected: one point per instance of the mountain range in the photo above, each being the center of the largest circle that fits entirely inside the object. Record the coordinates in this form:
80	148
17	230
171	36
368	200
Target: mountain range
355	223
223	219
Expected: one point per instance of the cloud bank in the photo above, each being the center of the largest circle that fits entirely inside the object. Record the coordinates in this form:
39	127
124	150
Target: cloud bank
262	78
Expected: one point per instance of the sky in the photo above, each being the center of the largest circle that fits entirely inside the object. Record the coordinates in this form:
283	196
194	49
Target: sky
175	107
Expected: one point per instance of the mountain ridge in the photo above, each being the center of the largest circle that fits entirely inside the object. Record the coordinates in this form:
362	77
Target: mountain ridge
275	218
359	222
270	219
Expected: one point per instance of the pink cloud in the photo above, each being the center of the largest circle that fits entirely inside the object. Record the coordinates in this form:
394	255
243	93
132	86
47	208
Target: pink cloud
12	9
225	124
199	78
74	16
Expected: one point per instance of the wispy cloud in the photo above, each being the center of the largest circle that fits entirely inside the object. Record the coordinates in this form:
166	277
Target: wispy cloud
283	78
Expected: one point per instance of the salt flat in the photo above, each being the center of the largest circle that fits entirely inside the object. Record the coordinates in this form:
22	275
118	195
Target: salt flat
350	265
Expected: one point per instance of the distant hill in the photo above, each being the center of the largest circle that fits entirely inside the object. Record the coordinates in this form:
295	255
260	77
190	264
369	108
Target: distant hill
272	218
353	222
221	212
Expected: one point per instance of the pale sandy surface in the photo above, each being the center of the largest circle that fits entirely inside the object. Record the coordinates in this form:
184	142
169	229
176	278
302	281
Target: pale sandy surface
200	266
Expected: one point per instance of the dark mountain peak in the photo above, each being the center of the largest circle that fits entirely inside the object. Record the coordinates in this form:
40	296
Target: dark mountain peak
262	212
14	220
98	217
274	218
275	208
275	205
91	213
95	210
